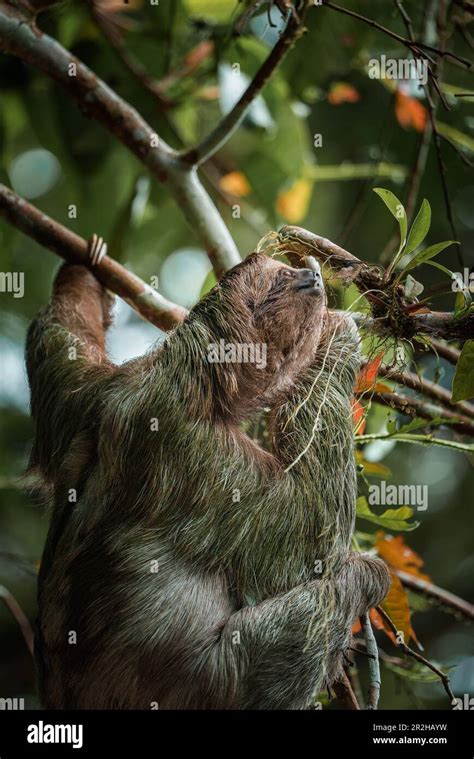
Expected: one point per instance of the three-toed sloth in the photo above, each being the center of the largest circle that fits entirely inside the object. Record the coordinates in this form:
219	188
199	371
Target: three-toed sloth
185	566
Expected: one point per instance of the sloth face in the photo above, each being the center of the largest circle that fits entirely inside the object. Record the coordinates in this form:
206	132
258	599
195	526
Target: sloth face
304	281
286	306
282	294
266	304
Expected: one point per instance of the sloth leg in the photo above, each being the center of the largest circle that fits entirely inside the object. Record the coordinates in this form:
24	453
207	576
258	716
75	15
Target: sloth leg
288	648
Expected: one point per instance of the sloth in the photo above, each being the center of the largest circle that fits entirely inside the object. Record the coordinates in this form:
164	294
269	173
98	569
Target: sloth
187	567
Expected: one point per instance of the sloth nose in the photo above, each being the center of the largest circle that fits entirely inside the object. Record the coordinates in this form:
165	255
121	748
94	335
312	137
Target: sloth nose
308	279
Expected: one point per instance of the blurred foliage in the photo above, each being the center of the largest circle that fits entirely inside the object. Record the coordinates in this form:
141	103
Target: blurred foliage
310	151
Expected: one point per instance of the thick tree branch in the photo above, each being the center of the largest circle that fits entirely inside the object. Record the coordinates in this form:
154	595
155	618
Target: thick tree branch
226	128
143	298
391	314
20	37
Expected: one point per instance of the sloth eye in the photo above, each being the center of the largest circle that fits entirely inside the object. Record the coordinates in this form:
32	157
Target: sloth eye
286	274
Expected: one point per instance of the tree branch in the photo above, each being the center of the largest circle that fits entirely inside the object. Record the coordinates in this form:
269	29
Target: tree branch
411	45
434	593
345	693
132	64
143	298
415	655
448	352
425	387
20	37
417	407
226	128
390	312
374	665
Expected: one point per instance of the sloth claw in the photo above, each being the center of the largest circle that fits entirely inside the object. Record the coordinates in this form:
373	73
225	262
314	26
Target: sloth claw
97	250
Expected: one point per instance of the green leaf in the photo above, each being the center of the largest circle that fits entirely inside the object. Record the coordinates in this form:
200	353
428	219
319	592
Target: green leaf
455	135
214	10
419	228
463	382
397	209
392	519
427	253
462	303
417	423
441	268
416	672
413	288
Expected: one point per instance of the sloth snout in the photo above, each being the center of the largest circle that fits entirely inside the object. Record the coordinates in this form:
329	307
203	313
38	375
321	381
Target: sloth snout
308	279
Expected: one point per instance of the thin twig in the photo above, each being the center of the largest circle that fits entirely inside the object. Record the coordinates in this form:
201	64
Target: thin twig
226	128
417	407
448	352
415	655
425	387
406	18
374	665
434	593
345	694
133	65
17	612
398	37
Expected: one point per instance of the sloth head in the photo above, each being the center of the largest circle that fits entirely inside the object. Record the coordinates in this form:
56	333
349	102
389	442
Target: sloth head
264	321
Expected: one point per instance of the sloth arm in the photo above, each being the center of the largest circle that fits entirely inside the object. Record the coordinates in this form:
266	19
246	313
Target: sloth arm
67	364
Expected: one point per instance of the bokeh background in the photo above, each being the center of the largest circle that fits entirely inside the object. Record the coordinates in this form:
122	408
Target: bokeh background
371	134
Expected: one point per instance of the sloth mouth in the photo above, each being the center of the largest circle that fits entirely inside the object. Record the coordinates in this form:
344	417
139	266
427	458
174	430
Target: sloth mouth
313	287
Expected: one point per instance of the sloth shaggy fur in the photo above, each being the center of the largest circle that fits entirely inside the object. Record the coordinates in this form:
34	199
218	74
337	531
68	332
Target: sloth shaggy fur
181	567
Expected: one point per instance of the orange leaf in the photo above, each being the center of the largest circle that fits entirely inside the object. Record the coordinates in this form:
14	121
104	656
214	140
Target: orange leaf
358	416
377	621
367	376
396	606
198	54
293	204
340	92
380	387
115	6
208	93
398	555
410	112
235	183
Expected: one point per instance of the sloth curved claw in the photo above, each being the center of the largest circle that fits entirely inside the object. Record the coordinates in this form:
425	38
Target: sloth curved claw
97	250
